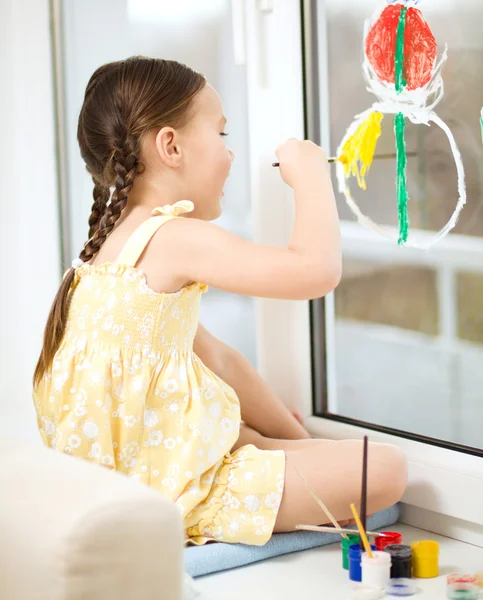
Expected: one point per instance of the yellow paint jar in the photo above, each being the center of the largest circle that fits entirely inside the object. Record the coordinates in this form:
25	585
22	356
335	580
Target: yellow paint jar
425	559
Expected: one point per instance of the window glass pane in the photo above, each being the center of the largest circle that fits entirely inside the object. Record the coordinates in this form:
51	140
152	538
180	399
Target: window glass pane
409	325
372	293
470	313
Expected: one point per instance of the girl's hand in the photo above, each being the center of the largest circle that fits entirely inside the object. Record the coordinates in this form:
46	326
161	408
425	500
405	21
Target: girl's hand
301	160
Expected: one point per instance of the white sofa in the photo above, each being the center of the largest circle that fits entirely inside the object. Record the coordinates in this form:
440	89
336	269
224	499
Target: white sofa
70	530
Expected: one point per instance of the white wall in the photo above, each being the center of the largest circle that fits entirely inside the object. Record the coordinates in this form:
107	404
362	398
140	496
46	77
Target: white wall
29	249
199	35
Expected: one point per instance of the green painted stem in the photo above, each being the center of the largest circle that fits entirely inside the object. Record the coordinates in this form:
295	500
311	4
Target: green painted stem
400	75
399	127
401	181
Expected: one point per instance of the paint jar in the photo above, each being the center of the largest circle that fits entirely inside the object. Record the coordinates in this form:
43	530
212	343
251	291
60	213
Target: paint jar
425	559
376	570
401	587
401	560
463	591
355	570
353	539
387	537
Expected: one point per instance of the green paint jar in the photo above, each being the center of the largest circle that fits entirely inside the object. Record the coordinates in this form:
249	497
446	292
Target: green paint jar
463	591
345	545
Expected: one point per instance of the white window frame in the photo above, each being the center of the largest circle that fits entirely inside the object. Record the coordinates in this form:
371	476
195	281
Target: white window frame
442	481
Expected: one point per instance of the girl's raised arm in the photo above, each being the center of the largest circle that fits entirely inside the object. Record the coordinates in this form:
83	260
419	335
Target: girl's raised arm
309	267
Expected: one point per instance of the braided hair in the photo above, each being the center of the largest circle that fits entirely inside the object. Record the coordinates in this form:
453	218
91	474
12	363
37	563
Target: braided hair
123	100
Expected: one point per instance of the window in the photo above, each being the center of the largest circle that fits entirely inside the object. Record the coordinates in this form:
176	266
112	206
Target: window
399	346
443	482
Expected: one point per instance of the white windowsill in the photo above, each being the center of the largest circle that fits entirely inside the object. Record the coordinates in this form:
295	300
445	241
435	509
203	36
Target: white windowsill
317	574
441	481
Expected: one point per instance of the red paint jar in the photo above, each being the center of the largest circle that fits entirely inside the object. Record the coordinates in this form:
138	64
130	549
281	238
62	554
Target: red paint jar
386	538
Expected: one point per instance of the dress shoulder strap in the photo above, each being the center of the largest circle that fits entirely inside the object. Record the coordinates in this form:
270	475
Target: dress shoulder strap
142	235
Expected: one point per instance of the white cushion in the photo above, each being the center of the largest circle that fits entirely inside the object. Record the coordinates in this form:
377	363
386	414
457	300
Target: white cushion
70	530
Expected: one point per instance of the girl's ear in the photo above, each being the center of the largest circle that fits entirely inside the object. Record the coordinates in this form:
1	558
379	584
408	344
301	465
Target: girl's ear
168	147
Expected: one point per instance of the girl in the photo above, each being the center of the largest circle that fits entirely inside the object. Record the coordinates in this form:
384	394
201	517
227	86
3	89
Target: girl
128	379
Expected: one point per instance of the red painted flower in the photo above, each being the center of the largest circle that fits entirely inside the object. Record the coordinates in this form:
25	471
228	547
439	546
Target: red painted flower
419	47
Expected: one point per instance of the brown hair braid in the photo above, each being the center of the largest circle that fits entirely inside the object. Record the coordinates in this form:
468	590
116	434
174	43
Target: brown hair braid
123	100
101	195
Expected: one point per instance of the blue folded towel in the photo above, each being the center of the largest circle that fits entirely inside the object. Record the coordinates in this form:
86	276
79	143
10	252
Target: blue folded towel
202	560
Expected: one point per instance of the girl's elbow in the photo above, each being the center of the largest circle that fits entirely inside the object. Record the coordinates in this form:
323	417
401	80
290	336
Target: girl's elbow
316	279
335	273
328	280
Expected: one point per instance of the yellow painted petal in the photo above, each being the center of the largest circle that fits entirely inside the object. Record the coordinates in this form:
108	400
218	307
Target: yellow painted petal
358	151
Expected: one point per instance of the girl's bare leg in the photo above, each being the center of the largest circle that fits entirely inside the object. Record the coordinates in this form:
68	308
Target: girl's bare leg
333	469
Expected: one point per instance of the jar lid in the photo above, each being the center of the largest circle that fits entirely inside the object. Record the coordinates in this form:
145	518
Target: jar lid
364	591
399	550
425	548
389	535
401	587
355	550
457	578
378	558
352	539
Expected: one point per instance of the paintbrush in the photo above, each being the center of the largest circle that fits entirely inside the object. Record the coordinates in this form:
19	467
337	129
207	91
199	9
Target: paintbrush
364	484
332	530
362	533
333	159
322	505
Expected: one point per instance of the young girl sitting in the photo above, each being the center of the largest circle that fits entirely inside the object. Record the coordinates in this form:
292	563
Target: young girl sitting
128	378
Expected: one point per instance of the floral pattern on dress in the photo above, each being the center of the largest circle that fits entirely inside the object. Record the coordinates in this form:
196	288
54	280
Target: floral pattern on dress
127	392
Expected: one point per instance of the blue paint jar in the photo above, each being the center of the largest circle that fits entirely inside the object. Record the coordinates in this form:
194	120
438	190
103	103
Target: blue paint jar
355	569
345	545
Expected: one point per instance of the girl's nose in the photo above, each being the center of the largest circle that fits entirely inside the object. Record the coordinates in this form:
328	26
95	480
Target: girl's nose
232	155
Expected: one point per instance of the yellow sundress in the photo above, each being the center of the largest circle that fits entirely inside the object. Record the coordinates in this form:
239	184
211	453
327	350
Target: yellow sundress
126	391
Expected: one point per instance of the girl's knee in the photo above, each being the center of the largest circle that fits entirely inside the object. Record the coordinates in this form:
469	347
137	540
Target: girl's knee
390	473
